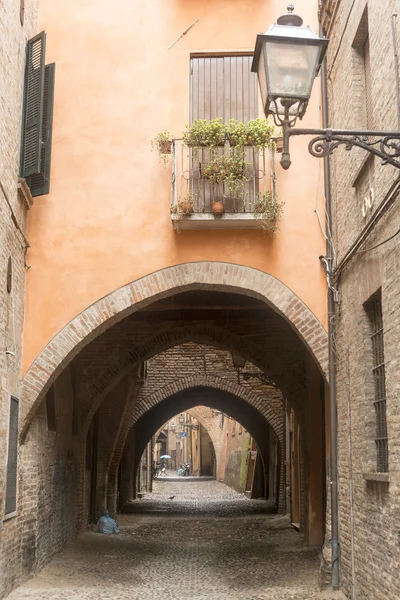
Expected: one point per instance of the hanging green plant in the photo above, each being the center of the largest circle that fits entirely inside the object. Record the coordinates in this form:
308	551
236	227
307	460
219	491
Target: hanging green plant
205	133
237	133
259	133
229	169
162	143
186	205
268	210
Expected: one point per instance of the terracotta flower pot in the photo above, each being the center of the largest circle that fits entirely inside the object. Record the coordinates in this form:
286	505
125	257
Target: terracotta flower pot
165	147
218	208
186	208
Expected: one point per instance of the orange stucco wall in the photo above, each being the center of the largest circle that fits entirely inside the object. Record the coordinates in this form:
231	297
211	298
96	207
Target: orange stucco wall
106	221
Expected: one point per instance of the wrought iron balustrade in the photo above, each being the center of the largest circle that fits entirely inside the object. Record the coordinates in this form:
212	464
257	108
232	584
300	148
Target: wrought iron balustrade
189	179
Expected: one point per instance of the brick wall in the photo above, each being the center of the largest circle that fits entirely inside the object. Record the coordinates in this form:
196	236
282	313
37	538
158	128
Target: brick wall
368	509
189	365
13	38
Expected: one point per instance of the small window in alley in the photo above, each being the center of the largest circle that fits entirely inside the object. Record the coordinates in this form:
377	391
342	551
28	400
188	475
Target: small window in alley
12	458
374	311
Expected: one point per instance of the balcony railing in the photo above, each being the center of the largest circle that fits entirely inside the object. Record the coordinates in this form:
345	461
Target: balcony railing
189	180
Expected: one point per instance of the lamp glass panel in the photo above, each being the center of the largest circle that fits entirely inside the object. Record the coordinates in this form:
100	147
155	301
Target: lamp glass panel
262	78
291	68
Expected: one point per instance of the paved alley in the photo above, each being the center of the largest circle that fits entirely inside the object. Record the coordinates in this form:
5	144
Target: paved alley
189	540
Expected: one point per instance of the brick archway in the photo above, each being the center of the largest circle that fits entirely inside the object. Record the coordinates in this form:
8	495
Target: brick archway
251	417
213	383
198	412
117	305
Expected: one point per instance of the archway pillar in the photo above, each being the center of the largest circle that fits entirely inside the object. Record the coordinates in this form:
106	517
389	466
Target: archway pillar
314	455
127	478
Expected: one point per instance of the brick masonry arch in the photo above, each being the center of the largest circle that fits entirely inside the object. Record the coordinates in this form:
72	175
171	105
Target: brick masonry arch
211	382
203	275
252	418
201	413
166	339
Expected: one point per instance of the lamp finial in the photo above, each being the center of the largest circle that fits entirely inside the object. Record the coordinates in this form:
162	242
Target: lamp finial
290	18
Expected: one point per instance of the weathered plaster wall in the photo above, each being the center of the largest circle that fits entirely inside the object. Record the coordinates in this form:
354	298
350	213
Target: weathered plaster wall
106	221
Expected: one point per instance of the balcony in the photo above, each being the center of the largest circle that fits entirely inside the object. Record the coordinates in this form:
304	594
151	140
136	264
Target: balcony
196	185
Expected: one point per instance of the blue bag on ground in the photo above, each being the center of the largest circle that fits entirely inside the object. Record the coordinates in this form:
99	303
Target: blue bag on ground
107	525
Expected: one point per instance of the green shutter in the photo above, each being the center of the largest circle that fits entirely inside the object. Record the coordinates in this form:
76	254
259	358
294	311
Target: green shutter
40	182
33	105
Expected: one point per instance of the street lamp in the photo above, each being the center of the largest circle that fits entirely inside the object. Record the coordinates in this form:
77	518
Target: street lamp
239	363
287	58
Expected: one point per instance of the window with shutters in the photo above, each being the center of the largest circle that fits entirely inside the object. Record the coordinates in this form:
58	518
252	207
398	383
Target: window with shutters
373	309
37	118
12	459
222	87
225	87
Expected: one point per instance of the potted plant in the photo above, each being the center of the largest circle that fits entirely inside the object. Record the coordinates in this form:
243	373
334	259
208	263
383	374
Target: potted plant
237	133
163	144
205	133
185	205
229	169
259	133
218	208
268	209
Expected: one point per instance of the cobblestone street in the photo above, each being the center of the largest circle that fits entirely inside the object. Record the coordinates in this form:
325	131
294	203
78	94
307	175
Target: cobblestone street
207	542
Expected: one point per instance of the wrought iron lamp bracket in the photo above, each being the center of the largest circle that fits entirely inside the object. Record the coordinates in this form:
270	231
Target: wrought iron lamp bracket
384	144
263	377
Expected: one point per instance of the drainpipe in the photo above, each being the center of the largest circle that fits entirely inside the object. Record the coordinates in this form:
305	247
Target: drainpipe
332	357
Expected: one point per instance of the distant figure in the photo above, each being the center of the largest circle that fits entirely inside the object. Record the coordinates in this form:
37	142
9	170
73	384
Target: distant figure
180	471
163	472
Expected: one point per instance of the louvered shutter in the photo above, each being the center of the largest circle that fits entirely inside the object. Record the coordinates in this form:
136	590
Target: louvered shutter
39	183
223	86
33	106
12	458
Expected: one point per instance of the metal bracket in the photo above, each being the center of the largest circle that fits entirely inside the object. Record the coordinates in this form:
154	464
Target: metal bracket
384	144
246	375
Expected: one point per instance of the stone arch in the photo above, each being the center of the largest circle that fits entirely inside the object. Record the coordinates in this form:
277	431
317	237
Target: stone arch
217	442
199	416
165	340
251	418
214	383
195	382
204	275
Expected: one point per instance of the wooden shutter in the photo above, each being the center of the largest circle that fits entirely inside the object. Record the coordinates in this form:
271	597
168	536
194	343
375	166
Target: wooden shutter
223	86
33	105
39	183
12	458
